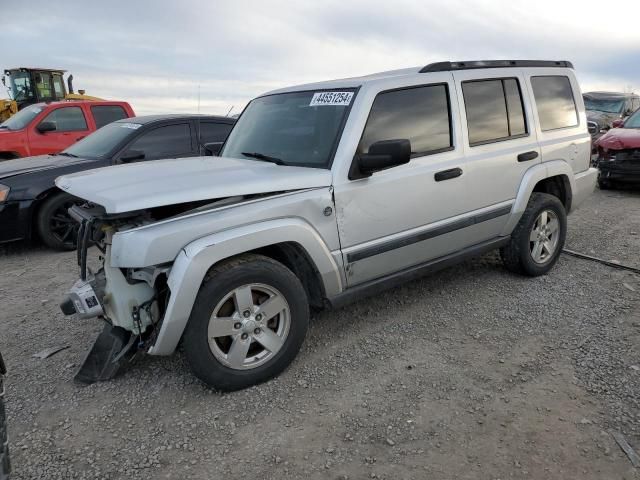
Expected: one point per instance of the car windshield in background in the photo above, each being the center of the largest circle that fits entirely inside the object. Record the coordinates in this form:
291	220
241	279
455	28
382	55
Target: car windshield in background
607	106
22	118
299	128
633	121
102	142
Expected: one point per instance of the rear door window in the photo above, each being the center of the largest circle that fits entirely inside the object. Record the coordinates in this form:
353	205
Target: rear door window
213	131
105	114
170	141
67	119
554	101
494	110
418	114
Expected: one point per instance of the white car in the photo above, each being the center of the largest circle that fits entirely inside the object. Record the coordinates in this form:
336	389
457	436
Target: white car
322	194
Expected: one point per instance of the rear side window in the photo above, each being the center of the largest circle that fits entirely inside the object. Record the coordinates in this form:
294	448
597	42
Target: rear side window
213	132
555	103
419	114
164	142
105	114
67	119
494	110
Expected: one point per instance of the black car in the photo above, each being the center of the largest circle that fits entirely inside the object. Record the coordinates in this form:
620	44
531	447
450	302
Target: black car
5	466
32	206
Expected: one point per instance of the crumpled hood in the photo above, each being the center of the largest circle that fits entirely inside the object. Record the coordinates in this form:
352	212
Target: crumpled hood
620	139
10	168
138	186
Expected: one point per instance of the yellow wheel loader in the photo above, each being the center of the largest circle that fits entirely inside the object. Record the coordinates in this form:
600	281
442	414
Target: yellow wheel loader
27	86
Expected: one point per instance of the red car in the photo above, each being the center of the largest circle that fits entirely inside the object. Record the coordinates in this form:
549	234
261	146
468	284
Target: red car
618	157
46	128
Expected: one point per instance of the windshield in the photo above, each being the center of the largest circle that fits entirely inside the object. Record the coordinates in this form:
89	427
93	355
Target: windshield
633	121
22	118
21	86
299	128
607	106
103	141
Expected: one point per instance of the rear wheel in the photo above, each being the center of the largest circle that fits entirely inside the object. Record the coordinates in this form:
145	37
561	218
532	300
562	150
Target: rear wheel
55	227
247	324
539	237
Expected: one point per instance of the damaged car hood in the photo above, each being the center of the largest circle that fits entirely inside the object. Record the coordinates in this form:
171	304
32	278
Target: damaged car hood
138	186
620	139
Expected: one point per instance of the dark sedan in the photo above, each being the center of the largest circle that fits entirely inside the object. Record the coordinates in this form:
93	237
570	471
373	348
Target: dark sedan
32	206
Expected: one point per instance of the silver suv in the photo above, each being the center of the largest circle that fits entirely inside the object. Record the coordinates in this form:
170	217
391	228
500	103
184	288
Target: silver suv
322	194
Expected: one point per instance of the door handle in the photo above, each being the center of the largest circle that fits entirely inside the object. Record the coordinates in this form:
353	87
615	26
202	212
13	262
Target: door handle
525	157
447	174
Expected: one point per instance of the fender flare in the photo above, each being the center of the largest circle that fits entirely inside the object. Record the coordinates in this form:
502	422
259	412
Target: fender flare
195	259
529	180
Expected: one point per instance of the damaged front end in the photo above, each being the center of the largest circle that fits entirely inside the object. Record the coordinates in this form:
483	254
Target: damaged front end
126	299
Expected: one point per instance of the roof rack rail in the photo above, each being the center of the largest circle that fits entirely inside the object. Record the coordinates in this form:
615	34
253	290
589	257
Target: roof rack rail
449	66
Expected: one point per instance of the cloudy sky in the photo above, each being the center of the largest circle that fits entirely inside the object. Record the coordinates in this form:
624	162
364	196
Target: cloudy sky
158	54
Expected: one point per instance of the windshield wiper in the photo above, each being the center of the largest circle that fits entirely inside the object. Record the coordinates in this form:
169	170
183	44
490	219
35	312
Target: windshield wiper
262	156
65	154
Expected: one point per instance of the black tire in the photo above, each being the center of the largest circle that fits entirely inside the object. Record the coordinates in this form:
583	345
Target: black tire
54	225
516	255
220	282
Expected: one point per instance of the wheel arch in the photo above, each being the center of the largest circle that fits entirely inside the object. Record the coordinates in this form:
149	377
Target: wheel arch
555	177
291	241
8	155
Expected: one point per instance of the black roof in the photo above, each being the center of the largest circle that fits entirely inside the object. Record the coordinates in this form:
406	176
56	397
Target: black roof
474	64
145	119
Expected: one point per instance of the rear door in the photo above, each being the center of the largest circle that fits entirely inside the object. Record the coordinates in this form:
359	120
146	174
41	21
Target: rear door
499	136
71	126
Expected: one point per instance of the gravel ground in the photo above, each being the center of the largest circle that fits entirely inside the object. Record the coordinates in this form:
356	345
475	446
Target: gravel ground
470	373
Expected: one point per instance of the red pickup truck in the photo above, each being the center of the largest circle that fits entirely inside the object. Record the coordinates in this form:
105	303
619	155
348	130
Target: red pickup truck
51	127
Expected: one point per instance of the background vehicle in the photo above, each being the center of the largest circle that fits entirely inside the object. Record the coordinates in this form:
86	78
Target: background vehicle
46	128
27	86
5	466
603	108
618	154
325	193
30	204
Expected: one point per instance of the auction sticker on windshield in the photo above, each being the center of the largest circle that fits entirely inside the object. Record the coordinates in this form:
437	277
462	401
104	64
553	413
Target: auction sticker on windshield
331	98
132	126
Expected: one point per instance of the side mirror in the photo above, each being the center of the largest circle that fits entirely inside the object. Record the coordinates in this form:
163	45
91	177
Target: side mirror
593	128
213	148
382	155
131	156
44	127
617	123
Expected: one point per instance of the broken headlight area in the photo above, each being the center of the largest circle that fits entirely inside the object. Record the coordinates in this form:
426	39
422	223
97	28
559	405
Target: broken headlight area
130	301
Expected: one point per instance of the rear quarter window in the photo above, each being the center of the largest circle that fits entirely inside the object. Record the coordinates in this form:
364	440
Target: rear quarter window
105	114
554	101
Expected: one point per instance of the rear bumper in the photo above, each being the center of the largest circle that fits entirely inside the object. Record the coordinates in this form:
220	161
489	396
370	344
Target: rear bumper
585	185
15	220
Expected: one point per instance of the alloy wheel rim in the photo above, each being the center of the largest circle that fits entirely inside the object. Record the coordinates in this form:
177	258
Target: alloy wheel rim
249	326
544	237
62	226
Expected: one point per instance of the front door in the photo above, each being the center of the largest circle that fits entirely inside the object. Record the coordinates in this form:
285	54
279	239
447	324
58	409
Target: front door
71	126
402	216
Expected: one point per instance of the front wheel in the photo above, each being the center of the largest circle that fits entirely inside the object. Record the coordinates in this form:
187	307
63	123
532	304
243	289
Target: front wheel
538	238
248	323
55	226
